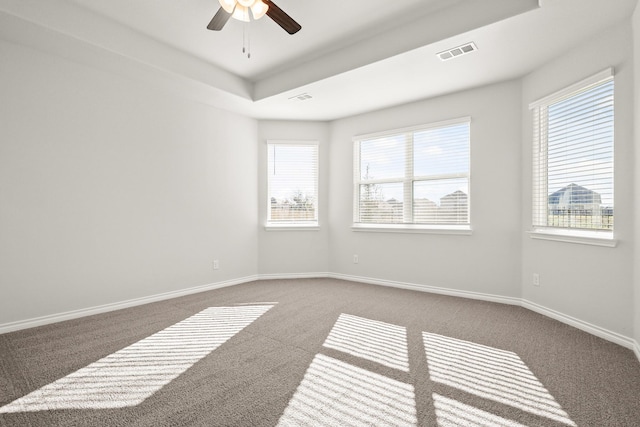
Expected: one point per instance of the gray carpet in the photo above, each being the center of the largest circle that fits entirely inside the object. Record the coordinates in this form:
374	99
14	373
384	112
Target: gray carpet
317	352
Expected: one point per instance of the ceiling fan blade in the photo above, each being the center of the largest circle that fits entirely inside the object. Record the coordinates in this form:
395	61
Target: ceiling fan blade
281	18
218	21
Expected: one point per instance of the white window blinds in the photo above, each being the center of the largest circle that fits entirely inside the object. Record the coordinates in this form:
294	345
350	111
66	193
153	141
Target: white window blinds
573	157
292	183
417	176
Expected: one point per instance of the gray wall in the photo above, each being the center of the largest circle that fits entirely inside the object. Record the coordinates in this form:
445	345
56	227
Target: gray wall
636	257
286	252
112	190
488	261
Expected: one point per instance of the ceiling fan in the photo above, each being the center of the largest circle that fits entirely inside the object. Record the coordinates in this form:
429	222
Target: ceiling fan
242	10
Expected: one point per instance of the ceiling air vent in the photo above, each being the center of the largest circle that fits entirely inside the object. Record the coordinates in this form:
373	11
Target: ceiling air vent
301	97
457	51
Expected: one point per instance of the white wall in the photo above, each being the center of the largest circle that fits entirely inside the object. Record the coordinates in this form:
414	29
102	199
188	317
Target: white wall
488	261
111	189
636	257
586	282
293	252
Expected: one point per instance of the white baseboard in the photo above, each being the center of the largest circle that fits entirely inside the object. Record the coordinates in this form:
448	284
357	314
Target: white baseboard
572	321
430	289
577	323
581	324
74	314
275	276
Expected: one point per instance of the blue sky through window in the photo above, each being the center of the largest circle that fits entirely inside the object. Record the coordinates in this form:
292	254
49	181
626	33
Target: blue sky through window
437	153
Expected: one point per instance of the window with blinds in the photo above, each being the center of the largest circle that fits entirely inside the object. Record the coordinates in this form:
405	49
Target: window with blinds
573	158
416	177
292	183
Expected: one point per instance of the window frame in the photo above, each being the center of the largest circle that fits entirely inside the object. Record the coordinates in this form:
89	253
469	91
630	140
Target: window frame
539	210
311	225
408	181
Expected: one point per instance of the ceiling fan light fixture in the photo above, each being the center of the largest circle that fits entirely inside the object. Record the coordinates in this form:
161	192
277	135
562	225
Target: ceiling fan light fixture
241	13
239	9
246	10
259	9
228	5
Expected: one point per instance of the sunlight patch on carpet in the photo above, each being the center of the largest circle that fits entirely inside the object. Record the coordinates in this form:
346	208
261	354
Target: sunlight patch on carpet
373	340
335	393
490	373
451	413
129	376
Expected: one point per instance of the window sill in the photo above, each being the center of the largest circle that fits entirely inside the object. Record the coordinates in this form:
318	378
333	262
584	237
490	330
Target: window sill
464	230
292	227
593	238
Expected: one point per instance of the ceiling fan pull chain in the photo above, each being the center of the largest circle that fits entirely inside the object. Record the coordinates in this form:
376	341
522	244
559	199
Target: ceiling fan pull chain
244	37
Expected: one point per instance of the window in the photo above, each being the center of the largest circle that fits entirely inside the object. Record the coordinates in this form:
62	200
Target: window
292	184
414	178
573	159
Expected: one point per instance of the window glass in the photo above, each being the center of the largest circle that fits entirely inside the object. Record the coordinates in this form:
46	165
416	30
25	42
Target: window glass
573	158
292	183
415	177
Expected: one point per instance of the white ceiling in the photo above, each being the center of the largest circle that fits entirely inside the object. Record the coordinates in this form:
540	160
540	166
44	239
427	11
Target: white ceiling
350	56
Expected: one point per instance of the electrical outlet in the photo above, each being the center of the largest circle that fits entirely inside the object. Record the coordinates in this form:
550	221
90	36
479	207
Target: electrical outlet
536	279
216	264
355	259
